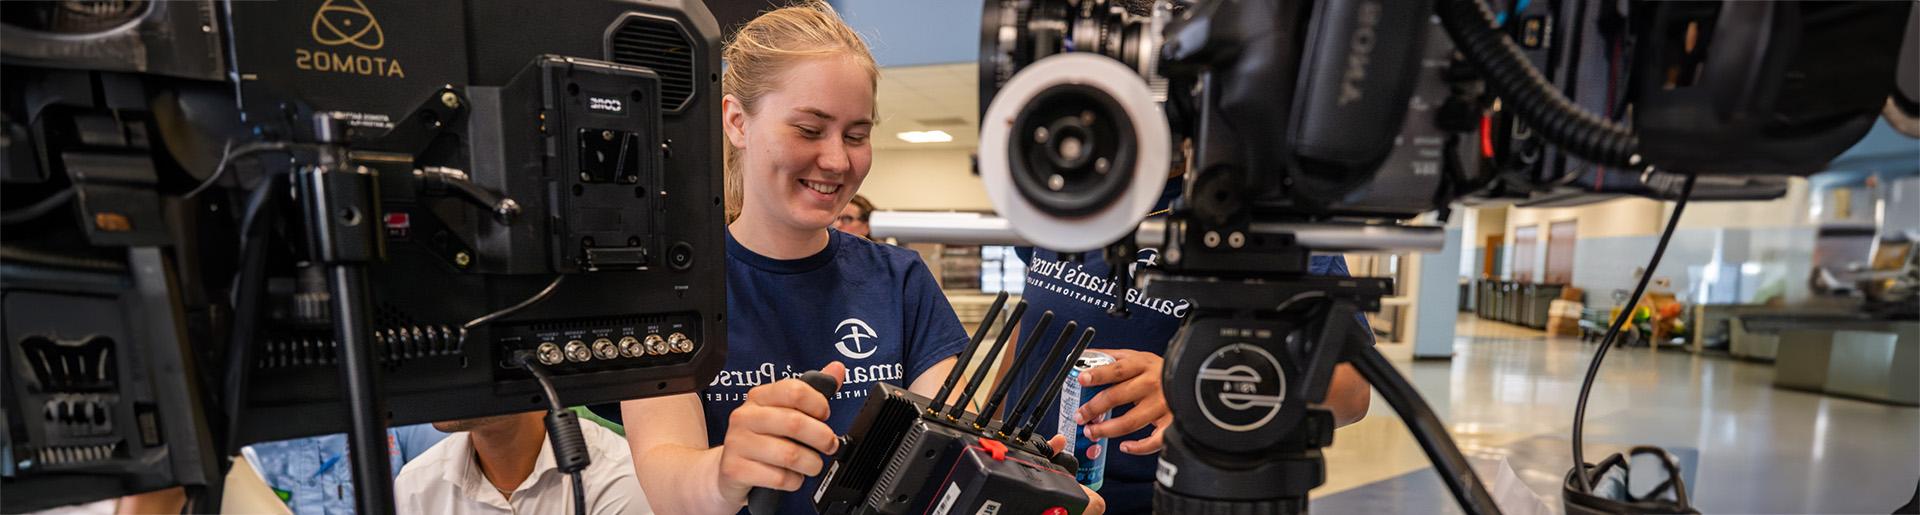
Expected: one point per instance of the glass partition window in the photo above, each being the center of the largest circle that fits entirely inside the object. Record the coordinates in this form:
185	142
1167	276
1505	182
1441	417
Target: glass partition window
1002	270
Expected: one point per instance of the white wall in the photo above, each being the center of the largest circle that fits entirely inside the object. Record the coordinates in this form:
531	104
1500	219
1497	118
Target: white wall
1486	221
935	180
1789	211
1640	217
1467	220
1618	217
1713	255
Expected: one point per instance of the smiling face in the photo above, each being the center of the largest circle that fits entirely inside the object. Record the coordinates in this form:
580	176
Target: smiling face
804	149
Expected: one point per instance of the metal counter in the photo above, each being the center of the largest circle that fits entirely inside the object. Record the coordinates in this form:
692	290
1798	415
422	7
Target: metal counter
1851	356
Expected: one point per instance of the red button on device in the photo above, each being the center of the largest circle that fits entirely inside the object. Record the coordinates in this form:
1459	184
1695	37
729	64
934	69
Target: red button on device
994	448
1056	510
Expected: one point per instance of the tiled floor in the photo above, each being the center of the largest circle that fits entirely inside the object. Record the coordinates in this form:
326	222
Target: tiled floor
1509	392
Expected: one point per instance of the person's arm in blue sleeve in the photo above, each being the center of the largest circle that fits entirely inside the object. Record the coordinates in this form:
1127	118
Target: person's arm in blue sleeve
936	335
414	440
1348	395
1336	266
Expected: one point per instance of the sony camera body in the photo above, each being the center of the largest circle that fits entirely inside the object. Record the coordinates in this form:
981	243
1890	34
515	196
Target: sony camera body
1322	126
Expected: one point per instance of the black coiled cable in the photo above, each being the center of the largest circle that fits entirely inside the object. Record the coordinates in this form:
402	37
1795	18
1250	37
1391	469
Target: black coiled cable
563	433
1542	106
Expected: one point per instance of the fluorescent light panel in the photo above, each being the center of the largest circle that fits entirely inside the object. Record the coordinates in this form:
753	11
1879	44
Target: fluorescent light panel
925	136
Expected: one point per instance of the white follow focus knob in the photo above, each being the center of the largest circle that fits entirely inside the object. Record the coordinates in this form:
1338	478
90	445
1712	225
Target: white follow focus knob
1149	144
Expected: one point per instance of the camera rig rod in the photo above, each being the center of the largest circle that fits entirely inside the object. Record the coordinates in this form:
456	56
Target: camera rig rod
340	206
341	203
1321	236
975	229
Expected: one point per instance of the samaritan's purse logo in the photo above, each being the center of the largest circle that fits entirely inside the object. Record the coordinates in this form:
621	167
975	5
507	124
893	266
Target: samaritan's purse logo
853	333
347	23
1241	387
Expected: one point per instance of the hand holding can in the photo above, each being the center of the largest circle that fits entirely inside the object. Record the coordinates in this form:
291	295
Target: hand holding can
1133	379
1090	452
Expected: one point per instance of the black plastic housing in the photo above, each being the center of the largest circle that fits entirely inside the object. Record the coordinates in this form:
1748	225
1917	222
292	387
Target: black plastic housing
442	104
1762	87
901	457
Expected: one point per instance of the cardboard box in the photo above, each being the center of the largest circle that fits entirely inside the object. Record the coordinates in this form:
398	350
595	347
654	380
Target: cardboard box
1563	326
1565	308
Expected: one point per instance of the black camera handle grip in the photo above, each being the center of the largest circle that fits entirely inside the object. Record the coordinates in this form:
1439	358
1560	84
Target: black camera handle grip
766	501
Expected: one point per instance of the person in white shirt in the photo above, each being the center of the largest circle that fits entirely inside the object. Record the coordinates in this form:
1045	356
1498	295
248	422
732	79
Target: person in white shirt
504	464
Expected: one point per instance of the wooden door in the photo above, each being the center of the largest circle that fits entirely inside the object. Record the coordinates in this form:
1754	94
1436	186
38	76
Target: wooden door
1560	240
1525	239
1490	261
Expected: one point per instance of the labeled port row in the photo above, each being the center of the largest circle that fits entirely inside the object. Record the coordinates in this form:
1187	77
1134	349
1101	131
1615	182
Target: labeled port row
578	351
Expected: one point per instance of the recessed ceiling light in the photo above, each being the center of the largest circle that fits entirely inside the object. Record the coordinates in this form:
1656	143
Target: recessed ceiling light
925	136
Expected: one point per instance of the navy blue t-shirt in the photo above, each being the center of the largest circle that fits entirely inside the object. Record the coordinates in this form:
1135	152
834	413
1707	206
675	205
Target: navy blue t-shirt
871	306
1080	291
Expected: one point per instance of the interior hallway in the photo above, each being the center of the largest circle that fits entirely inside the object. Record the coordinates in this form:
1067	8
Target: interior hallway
1749	447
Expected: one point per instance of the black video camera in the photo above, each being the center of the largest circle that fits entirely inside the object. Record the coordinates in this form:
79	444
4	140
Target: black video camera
1320	126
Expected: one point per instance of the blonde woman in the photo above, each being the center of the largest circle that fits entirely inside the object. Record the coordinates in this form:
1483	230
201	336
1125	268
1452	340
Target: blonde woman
798	112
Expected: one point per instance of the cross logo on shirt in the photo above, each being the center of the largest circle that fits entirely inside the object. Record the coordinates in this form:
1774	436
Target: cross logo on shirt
1148	258
855	330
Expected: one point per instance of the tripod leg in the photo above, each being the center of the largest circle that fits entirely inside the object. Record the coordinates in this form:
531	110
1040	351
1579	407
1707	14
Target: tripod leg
1426	428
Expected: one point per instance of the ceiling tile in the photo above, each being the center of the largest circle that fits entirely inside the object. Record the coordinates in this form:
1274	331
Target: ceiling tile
909	94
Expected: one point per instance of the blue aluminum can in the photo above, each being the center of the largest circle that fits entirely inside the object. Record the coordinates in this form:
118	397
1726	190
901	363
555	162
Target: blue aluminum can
1091	453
